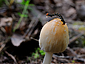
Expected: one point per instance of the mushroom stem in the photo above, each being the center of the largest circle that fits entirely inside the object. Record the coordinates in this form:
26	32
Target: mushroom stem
47	58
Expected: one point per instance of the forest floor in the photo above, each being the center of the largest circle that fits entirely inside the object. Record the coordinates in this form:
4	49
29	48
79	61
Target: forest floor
21	23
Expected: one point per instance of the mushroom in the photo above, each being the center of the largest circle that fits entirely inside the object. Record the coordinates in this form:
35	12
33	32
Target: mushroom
54	37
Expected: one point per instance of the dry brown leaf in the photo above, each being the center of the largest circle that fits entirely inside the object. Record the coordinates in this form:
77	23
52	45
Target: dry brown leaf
17	39
7	23
5	20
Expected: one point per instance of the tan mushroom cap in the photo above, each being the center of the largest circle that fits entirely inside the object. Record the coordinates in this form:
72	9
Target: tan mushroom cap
54	36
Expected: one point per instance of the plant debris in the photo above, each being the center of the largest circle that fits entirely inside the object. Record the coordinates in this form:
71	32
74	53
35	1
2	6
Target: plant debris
20	25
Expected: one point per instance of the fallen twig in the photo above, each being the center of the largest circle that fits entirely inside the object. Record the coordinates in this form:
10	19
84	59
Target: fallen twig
11	56
31	27
34	25
75	37
4	43
38	15
34	39
69	57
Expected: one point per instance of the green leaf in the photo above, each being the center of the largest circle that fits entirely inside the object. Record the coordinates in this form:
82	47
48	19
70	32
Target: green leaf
23	2
23	15
38	49
73	61
33	54
43	54
41	51
27	2
36	55
19	13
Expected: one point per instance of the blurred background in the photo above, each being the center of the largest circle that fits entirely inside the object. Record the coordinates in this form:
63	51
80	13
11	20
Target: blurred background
20	25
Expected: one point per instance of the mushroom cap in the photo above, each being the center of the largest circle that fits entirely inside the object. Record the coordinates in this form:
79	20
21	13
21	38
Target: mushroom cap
54	36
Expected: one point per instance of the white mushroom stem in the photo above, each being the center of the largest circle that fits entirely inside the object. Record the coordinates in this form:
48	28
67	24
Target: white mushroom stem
47	58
